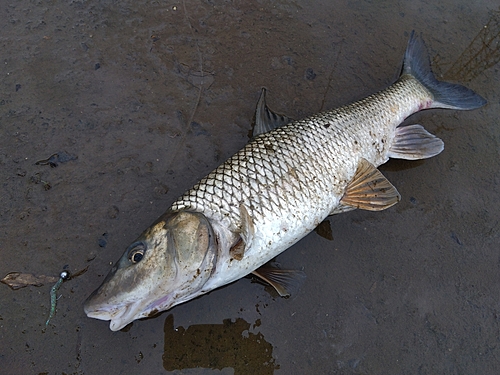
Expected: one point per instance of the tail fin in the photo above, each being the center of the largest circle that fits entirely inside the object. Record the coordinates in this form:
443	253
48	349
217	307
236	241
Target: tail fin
446	95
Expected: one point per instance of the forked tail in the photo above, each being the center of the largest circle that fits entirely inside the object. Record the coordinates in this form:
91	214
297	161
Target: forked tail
445	95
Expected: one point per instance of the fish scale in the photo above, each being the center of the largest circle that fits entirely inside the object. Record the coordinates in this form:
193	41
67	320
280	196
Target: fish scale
275	191
322	151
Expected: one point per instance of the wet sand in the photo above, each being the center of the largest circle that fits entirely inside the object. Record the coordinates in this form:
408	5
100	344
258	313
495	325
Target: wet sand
141	99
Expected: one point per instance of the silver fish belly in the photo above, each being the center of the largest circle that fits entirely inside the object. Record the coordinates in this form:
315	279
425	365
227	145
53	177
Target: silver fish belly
275	191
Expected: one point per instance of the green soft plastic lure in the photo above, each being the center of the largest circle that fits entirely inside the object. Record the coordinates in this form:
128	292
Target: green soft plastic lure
63	276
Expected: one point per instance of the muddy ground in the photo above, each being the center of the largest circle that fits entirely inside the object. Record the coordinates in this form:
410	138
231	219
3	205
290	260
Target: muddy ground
140	99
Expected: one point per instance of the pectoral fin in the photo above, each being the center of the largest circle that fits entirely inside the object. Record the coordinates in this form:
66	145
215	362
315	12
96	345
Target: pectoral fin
246	232
238	250
369	189
413	142
286	282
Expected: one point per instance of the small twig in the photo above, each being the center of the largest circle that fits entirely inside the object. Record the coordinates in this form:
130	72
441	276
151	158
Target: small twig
198	99
330	78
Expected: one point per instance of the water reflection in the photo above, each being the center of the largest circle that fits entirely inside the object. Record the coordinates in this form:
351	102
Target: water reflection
217	346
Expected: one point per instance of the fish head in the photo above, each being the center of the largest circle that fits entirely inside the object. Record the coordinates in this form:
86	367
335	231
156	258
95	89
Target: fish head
167	265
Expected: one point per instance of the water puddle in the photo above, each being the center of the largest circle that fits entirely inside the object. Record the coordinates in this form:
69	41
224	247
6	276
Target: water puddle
231	344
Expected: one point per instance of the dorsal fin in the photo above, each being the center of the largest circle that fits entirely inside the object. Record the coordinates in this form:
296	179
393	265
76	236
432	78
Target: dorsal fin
265	119
369	189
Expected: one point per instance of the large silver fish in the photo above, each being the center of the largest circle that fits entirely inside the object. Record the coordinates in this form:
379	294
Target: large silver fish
275	191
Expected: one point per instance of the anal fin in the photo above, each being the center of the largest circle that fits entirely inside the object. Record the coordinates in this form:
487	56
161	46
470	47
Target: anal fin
413	142
286	282
369	189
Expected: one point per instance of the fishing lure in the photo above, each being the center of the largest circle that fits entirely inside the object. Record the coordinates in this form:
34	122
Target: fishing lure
63	276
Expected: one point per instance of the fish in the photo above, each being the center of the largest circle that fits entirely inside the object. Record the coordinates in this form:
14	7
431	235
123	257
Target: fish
274	191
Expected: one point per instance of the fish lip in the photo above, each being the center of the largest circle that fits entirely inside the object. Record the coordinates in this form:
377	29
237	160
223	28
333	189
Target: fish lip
102	313
119	316
123	314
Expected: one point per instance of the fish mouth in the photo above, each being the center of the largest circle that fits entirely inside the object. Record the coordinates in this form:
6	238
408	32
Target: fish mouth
124	314
119	316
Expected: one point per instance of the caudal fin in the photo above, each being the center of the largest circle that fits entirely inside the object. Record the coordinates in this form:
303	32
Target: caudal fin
446	95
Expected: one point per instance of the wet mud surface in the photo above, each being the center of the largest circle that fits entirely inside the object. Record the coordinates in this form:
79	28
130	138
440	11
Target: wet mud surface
111	110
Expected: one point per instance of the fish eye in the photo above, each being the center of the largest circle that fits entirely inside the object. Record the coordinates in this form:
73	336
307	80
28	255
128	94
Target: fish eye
136	253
